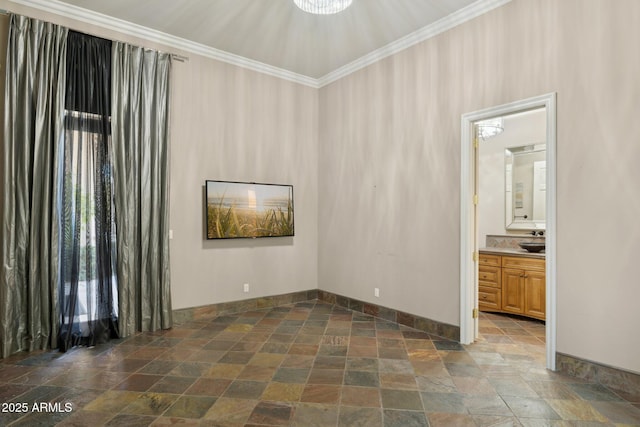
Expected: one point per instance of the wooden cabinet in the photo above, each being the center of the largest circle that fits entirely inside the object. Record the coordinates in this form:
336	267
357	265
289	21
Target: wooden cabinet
535	294
513	291
512	284
489	283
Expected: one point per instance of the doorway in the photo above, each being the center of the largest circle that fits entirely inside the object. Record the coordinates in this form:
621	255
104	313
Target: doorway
469	243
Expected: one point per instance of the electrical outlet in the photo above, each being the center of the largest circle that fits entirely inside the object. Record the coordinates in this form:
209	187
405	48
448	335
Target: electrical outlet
376	292
246	287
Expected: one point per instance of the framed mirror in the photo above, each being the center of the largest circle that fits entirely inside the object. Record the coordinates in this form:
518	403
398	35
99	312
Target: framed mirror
525	187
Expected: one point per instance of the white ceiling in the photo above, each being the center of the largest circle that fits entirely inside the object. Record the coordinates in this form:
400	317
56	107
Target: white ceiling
274	35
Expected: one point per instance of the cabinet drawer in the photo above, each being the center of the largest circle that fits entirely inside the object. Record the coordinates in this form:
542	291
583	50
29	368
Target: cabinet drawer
489	276
486	259
489	298
523	263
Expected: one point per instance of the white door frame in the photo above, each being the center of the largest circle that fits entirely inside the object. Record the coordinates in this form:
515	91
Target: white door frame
468	268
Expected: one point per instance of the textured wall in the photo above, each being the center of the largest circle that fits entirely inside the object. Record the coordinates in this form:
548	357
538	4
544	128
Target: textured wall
238	125
390	165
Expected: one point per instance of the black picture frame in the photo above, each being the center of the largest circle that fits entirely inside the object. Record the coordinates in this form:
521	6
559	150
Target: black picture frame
248	210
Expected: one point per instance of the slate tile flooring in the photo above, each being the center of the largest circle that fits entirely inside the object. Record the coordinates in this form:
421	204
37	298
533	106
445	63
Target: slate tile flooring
307	364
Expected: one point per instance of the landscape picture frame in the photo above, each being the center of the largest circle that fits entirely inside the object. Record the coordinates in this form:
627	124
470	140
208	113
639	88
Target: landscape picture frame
249	210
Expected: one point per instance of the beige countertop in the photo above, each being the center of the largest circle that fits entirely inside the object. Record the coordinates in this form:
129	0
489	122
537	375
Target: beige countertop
514	252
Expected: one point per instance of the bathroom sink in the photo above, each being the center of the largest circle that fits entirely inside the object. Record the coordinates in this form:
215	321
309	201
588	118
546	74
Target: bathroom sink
532	246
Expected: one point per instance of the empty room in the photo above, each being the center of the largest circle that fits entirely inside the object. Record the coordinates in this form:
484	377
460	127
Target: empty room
319	213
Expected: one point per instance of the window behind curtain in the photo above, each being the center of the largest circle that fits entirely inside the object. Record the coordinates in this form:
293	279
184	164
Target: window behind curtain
89	297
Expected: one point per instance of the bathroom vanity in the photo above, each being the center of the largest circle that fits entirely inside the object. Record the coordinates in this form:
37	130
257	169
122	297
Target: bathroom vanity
512	281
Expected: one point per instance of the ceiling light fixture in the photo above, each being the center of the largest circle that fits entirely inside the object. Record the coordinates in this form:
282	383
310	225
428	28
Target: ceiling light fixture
323	7
490	127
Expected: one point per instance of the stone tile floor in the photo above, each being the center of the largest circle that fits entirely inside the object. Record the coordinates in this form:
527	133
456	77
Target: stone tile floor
306	364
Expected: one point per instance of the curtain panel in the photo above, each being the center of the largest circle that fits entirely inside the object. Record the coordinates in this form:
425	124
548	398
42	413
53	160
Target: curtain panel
34	102
140	118
88	295
31	200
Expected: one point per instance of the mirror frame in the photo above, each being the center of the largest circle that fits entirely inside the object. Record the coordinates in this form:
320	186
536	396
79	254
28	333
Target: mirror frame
510	222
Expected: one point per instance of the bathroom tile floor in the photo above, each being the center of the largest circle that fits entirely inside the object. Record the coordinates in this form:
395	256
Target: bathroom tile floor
306	364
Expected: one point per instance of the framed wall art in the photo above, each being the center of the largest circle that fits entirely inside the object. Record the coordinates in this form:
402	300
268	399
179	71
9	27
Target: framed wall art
248	210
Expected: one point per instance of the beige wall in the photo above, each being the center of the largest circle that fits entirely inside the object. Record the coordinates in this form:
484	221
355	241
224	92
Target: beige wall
238	125
390	165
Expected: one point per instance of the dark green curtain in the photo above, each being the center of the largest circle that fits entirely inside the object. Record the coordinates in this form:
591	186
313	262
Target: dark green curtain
140	123
88	296
34	100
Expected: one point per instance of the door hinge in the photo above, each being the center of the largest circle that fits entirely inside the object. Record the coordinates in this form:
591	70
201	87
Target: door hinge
475	256
475	313
475	199
475	142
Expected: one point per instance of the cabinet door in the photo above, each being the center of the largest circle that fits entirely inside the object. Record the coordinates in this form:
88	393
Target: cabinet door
513	291
489	276
489	298
534	289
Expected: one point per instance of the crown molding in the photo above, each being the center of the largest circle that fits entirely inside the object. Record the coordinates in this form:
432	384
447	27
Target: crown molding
94	18
459	17
129	28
